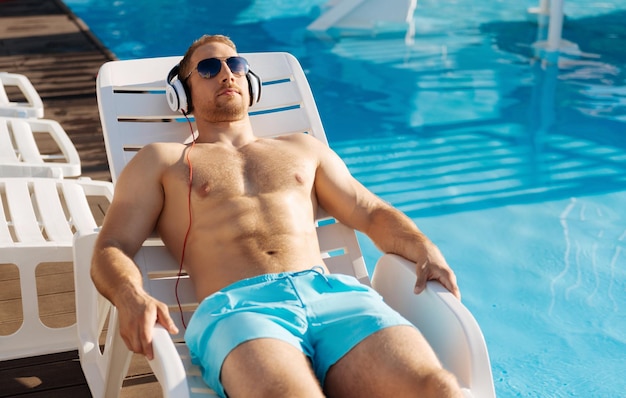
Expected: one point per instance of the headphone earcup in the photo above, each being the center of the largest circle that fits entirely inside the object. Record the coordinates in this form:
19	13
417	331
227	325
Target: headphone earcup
254	87
176	96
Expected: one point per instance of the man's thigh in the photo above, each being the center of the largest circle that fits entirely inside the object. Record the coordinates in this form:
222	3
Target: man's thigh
387	363
268	368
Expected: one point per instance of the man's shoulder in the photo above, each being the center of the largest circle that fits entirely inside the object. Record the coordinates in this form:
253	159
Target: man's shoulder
161	149
163	146
300	139
157	153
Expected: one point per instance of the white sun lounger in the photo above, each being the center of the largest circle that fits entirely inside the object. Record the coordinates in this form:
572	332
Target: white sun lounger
33	107
38	219
21	154
134	112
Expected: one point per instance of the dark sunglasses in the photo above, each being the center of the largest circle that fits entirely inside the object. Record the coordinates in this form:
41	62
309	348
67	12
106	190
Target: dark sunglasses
210	67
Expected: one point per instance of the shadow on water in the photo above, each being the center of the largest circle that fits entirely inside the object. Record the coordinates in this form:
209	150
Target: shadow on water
599	34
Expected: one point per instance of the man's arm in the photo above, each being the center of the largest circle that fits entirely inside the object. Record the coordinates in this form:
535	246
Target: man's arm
346	199
130	219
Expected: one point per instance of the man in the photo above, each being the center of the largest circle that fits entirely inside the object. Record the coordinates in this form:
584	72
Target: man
272	322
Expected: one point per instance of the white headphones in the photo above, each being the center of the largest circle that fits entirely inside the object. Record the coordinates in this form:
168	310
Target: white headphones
177	93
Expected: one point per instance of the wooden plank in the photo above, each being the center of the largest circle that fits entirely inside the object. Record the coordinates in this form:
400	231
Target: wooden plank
43	40
55	375
8	272
11	315
55	291
75	391
59	320
140	388
54	268
61	282
38	360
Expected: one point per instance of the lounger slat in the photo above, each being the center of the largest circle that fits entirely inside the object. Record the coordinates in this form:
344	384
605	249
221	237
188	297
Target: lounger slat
25	141
81	215
135	76
53	217
286	122
194	375
25	224
5	233
160	259
139	133
4	98
135	135
331	237
277	96
342	245
165	291
7	152
339	265
279	68
144	105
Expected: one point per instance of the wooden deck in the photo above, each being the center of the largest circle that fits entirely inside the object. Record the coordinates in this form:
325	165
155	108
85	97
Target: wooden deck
43	40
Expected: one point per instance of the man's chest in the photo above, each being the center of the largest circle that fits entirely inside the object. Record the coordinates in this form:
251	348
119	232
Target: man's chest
251	172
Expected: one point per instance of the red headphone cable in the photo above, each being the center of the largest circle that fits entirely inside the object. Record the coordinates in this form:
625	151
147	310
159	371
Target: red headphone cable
182	257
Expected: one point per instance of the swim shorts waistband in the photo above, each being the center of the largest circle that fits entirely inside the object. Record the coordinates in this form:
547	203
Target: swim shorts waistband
253	280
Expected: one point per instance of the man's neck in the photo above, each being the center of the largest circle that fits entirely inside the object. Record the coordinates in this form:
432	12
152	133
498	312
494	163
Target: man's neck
237	133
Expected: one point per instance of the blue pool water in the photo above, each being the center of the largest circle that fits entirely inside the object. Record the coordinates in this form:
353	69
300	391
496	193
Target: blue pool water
517	170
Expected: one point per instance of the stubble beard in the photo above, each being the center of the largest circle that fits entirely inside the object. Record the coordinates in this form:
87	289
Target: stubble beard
228	111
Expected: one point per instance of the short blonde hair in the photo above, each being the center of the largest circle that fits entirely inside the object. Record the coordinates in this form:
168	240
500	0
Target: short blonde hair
185	63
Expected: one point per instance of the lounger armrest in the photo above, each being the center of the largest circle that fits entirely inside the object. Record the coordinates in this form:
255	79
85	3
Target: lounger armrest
33	108
167	365
446	323
72	165
25	171
105	369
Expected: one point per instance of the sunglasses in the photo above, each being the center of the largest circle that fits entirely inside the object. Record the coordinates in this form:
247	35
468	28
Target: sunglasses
210	67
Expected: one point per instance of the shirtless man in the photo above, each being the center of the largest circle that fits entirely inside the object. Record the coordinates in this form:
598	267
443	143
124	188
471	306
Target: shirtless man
252	232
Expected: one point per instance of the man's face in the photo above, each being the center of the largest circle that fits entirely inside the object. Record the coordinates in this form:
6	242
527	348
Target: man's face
221	98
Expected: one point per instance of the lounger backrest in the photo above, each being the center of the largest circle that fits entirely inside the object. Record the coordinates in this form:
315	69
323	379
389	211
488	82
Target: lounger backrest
134	112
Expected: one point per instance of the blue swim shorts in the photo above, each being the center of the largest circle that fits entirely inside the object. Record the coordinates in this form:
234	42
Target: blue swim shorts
306	309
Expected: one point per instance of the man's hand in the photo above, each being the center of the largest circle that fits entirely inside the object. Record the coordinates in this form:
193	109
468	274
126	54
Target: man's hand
137	316
435	267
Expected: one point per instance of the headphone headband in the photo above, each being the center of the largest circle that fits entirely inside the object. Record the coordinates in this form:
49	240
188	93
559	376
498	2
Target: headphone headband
173	73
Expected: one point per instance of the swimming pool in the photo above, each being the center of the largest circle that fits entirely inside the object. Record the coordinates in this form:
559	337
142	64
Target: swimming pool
516	170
